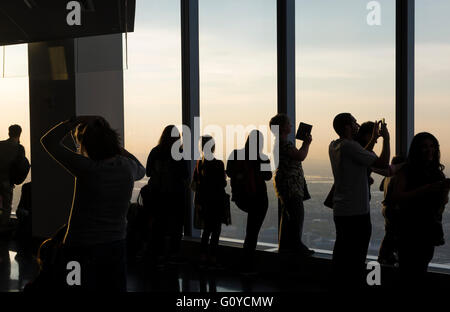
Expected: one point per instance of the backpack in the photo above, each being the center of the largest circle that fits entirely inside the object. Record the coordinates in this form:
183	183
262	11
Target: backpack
165	179
196	186
243	183
199	222
19	168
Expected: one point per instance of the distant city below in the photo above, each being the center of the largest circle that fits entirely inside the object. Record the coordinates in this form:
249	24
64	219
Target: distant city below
318	230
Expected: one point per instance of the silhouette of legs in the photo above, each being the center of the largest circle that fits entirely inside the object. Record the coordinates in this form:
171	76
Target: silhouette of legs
256	214
168	222
414	257
210	240
5	211
350	250
205	240
291	226
176	233
388	248
214	242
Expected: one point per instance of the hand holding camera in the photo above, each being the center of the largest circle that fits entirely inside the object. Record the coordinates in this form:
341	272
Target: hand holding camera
384	131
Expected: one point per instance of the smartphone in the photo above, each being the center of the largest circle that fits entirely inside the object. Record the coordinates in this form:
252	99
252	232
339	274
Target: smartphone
303	131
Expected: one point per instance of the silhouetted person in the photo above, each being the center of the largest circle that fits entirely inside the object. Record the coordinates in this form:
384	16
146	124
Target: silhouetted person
14	168
210	178
388	253
168	184
290	185
363	138
249	190
351	210
139	222
105	175
388	250
421	191
24	214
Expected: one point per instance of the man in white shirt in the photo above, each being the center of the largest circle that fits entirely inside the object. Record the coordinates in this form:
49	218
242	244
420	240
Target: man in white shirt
350	162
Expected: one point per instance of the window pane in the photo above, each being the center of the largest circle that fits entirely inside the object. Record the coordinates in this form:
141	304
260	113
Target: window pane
238	84
343	65
152	83
432	99
14	60
14	105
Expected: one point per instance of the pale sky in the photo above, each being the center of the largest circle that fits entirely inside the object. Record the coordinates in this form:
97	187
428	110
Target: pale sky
342	65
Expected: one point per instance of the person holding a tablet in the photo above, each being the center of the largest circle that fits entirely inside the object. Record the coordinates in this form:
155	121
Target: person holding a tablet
290	185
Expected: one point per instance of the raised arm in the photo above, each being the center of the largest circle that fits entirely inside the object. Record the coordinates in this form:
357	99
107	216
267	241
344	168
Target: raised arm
389	171
265	174
382	162
302	152
52	142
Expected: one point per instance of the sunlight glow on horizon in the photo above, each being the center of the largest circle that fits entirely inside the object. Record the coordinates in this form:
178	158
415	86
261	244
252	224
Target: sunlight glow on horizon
342	64
153	82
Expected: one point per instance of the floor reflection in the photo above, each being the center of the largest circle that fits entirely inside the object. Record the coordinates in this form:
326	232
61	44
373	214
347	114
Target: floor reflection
18	267
189	277
14	269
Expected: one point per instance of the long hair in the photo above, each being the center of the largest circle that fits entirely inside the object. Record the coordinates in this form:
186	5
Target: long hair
279	120
365	129
166	140
99	139
415	152
254	145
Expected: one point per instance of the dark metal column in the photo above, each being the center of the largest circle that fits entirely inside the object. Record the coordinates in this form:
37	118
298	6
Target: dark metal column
70	77
286	59
404	75
190	92
51	68
286	65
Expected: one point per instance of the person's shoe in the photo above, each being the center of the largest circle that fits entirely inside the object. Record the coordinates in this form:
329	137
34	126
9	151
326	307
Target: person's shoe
305	251
301	251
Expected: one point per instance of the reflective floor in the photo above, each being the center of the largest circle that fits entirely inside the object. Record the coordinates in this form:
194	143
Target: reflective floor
18	267
188	277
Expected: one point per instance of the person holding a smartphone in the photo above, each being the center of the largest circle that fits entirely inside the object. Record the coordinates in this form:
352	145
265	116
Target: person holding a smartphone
351	210
290	186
